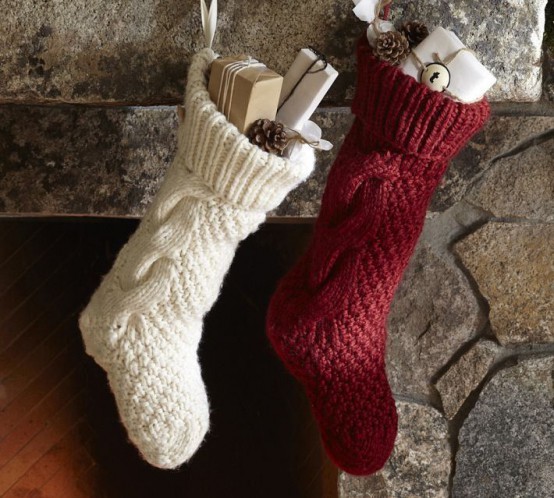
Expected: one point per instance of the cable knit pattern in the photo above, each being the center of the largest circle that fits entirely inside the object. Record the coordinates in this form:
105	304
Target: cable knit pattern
327	319
144	322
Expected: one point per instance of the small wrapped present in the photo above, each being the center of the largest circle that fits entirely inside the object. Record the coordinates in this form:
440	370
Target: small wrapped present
306	83
245	90
443	63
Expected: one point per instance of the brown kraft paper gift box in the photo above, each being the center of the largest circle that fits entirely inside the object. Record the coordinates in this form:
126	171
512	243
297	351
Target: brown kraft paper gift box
255	92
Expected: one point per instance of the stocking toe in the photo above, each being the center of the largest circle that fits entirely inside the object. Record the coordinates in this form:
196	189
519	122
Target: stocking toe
166	412
360	439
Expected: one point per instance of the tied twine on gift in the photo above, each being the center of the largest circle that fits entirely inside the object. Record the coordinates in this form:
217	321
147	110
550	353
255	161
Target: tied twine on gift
319	58
296	137
437	59
309	135
276	137
228	78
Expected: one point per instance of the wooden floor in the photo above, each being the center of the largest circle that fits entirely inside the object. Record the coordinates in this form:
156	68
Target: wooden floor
59	432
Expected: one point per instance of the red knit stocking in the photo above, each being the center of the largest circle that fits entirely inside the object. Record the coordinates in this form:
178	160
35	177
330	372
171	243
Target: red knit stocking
327	319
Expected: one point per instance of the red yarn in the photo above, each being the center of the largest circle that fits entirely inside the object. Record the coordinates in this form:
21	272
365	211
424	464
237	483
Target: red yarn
327	319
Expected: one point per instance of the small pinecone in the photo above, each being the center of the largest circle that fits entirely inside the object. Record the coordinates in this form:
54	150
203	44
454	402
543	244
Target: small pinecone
268	135
415	32
392	47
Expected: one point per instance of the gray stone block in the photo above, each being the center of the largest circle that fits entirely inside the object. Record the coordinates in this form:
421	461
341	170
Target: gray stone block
104	161
513	265
138	52
507	442
501	136
419	465
83	161
80	161
434	313
520	185
465	375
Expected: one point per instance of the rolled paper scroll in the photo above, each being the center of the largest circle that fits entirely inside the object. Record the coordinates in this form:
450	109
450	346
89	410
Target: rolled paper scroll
306	83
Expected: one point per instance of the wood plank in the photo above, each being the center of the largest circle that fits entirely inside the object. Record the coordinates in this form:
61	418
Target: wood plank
68	457
60	425
25	303
31	389
33	421
16	237
58	313
44	286
27	260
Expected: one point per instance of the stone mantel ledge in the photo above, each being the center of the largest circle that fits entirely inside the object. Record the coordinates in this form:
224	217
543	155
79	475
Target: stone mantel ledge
109	161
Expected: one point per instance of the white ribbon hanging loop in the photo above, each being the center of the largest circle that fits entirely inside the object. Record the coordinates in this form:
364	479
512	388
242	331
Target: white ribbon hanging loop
209	21
365	10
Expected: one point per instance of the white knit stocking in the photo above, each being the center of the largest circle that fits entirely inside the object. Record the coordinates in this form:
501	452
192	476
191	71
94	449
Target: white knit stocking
144	322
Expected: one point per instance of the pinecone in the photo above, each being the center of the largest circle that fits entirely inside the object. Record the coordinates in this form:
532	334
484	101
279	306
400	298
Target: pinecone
268	135
392	47
415	32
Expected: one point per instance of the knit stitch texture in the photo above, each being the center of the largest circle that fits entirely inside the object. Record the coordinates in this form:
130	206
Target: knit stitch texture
327	318
144	323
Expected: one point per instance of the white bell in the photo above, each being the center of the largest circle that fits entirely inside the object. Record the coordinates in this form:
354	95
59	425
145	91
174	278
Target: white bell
436	76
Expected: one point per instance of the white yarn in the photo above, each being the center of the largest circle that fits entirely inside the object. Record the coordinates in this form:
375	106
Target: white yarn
143	324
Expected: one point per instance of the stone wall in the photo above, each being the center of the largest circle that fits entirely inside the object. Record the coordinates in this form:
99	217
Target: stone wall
87	128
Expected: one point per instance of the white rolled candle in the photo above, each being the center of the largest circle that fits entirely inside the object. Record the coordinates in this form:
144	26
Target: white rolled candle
469	79
303	91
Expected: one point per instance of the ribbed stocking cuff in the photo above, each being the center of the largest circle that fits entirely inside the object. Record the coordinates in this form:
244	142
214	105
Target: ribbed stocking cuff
213	148
408	116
